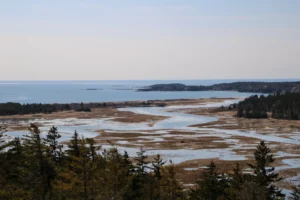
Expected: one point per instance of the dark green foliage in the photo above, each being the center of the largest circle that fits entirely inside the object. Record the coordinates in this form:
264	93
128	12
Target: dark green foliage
171	188
38	167
82	108
157	165
264	172
282	106
250	190
141	163
211	187
240	186
237	178
255	87
30	170
55	148
17	108
11	108
2	142
118	175
141	177
74	145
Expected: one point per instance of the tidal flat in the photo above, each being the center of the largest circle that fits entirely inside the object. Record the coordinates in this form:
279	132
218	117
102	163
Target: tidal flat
188	132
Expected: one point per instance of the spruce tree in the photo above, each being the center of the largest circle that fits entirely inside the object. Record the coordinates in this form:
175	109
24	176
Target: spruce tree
38	168
92	148
157	165
11	171
55	149
78	179
265	174
170	188
2	141
74	145
141	175
236	181
141	163
211	187
117	174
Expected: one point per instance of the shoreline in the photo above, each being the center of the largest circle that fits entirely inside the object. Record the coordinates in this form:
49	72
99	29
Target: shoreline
112	105
22	121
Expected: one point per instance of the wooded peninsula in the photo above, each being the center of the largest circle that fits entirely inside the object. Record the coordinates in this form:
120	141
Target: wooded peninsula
281	106
255	87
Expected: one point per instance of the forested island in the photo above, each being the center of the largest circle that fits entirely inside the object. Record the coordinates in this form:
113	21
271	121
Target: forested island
281	106
38	168
255	87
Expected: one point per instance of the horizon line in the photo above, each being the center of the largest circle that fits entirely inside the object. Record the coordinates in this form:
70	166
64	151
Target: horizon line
67	80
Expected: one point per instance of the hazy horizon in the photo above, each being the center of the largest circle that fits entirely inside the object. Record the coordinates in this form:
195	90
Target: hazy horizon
162	80
157	40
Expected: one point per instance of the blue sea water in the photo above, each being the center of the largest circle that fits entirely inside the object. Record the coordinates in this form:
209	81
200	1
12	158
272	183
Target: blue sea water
106	91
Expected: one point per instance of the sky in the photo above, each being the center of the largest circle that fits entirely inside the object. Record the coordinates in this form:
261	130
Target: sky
149	39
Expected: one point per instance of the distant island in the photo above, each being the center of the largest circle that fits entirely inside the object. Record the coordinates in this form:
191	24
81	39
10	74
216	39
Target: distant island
92	89
255	87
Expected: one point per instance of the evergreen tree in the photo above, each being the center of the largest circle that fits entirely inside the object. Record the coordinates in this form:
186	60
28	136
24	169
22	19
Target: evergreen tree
74	145
211	187
236	181
141	177
157	165
250	190
141	163
264	172
117	175
93	149
170	188
2	141
55	149
2	159
77	181
38	170
282	106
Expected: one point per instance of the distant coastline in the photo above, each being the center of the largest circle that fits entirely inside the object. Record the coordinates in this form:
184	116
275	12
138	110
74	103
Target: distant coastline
254	87
67	92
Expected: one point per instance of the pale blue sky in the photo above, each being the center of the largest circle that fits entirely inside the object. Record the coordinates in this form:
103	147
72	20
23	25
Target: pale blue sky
158	39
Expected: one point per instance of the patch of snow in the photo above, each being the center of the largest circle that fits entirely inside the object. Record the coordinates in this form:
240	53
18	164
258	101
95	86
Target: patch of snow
191	169
122	142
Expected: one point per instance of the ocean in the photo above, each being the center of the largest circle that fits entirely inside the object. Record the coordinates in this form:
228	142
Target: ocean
104	91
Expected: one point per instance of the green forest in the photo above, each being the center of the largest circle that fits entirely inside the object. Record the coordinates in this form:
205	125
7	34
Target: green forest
11	108
253	86
36	168
281	106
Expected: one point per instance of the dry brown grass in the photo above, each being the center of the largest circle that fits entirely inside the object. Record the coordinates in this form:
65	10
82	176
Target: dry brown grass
187	139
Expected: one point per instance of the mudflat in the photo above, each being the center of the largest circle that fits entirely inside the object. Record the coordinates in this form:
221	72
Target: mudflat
227	140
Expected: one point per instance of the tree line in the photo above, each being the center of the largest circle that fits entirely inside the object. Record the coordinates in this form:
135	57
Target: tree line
11	108
281	106
41	168
255	87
